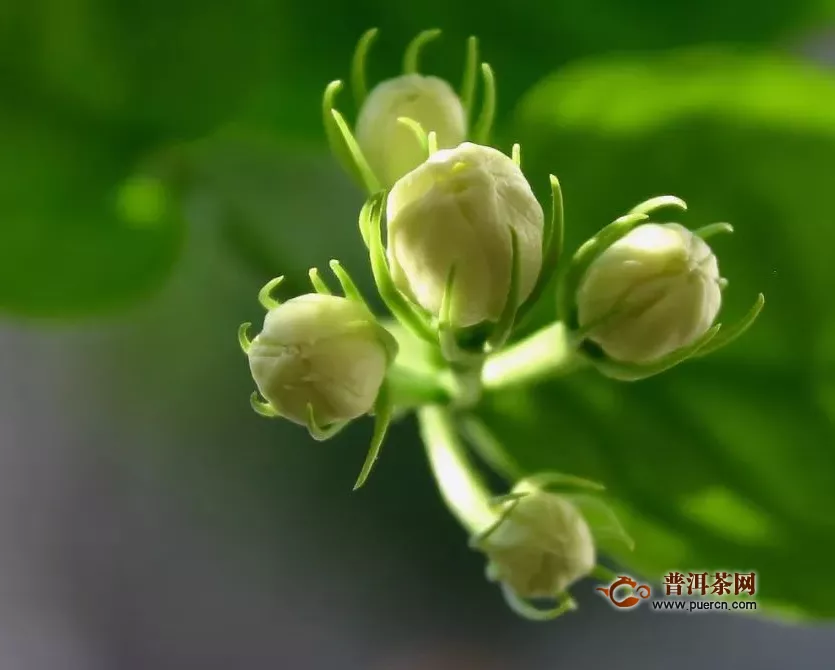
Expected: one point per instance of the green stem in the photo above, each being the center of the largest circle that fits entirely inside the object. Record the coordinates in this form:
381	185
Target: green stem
412	388
461	487
465	382
547	353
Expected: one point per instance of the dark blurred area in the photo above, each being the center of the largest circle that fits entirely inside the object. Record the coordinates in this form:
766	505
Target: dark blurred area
148	519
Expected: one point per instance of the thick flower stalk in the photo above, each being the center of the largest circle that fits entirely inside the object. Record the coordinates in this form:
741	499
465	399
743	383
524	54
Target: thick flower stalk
401	118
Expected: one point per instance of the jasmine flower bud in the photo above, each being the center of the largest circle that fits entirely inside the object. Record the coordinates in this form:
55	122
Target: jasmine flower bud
406	118
391	148
459	210
540	547
654	291
319	354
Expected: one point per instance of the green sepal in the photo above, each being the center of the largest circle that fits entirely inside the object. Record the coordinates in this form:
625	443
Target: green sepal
318	432
593	248
262	407
659	202
630	372
265	295
552	244
419	132
319	284
712	229
383	410
558	483
588	252
411	58
342	143
243	337
507	498
484	124
504	326
349	288
731	333
468	82
451	348
564	604
371	221
506	504
608	533
358	84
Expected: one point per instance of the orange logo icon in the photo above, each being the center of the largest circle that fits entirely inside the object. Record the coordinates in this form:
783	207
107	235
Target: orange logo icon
628	600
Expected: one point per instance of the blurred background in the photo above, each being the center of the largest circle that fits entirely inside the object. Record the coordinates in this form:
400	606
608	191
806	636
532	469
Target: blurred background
160	160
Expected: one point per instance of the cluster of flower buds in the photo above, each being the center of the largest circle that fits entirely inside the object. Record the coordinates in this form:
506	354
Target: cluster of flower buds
461	251
467	250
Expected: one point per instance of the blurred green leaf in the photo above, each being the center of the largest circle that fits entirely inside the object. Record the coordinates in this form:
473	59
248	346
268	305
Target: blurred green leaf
181	69
80	231
522	45
174	68
725	463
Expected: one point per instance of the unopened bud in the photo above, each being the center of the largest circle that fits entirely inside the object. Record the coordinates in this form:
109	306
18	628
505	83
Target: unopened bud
321	352
541	547
457	210
391	148
652	292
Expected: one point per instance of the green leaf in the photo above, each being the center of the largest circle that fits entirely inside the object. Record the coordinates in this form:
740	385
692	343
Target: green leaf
178	68
522	45
182	69
81	232
726	462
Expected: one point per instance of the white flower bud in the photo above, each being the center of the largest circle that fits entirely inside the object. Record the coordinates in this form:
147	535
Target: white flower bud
391	148
541	548
458	209
321	350
660	283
